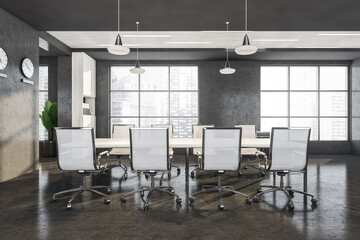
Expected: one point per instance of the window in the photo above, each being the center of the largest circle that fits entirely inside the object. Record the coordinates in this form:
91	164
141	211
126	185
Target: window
43	96
162	95
306	96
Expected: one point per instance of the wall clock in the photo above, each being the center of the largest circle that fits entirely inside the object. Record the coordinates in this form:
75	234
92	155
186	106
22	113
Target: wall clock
3	59
27	67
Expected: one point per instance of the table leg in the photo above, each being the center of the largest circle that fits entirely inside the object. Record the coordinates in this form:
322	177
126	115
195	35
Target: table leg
187	163
305	180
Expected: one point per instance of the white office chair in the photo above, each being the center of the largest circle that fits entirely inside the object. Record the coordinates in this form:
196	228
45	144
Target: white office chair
197	131
288	153
76	152
249	131
171	151
120	131
150	154
221	153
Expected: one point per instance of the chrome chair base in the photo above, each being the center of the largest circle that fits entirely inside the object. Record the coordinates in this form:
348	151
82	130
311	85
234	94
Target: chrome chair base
108	167
287	190
81	189
257	165
219	188
164	189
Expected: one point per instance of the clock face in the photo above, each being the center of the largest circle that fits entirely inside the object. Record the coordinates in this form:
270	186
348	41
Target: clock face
27	67
3	59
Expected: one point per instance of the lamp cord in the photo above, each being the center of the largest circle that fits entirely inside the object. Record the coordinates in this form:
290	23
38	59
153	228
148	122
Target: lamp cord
246	16
118	26
137	41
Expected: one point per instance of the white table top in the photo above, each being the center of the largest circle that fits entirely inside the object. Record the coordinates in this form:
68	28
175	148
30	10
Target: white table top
180	143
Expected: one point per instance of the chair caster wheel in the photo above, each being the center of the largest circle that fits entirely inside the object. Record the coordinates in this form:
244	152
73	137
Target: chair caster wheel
248	201
221	206
53	199
178	201
314	201
146	175
239	174
169	175
68	206
291	206
291	191
258	190
191	199
263	174
192	174
108	191
256	199
246	167
125	176
146	207
142	193
123	198
291	195
178	171
172	190
107	201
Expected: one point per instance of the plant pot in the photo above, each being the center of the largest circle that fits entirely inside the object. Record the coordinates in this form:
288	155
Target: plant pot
48	148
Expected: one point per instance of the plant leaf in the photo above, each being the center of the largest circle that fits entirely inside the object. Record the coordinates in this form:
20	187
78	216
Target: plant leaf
53	114
46	121
47	106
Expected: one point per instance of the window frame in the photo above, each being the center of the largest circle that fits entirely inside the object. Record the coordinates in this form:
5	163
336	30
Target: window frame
318	91
139	91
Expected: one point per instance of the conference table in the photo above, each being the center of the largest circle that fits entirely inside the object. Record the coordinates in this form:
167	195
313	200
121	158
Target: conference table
187	143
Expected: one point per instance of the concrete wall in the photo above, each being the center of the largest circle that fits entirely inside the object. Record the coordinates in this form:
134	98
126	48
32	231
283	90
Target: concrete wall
355	106
19	111
223	100
64	91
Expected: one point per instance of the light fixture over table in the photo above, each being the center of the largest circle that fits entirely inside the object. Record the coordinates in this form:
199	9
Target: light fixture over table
118	48
227	69
137	69
246	48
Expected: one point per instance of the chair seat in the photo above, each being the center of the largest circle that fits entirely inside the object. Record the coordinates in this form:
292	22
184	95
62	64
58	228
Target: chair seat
251	151
120	151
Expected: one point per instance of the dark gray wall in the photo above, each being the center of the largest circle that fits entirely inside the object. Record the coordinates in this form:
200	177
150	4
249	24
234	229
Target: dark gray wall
224	100
64	86
52	63
355	113
19	124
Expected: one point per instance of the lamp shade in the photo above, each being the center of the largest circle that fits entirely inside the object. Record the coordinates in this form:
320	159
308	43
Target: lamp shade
227	70
137	69
118	48
246	48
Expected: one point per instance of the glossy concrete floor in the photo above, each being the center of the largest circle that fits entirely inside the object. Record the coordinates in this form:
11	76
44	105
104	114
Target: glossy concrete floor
27	213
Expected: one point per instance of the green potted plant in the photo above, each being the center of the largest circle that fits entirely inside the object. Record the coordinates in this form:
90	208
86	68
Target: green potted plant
49	119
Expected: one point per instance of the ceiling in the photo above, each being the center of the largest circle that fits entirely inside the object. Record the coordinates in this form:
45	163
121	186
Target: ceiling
187	15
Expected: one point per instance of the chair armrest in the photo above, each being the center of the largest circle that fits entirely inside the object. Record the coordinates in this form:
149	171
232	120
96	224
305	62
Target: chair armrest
200	162
170	161
107	153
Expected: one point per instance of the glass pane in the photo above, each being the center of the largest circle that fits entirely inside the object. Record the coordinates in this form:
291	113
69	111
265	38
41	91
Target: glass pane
274	104
155	78
333	129
124	104
268	123
43	78
303	78
333	104
184	78
122	79
306	122
182	127
183	104
147	122
274	78
303	104
333	78
43	134
43	96
154	104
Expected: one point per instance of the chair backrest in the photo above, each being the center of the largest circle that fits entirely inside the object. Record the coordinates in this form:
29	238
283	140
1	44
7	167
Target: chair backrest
149	149
221	149
76	149
289	149
170	126
198	130
248	131
121	130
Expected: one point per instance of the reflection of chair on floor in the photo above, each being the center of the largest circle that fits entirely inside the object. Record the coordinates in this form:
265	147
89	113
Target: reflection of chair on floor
197	132
249	131
149	155
171	151
288	153
120	131
221	153
76	152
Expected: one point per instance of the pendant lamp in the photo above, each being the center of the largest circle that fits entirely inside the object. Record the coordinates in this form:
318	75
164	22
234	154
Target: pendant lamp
227	69
137	69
